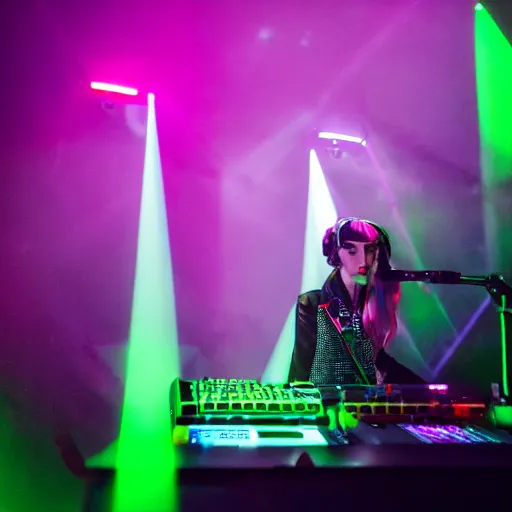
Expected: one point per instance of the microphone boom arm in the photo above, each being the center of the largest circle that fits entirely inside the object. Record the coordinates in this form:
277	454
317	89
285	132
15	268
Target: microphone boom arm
499	290
494	283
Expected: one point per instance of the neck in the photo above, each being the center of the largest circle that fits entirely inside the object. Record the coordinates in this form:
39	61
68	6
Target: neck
351	286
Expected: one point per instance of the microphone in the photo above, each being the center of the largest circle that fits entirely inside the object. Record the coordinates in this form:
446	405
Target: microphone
424	276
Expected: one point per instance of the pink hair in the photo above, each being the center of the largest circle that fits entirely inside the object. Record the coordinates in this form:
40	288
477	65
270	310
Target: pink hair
382	298
364	228
380	313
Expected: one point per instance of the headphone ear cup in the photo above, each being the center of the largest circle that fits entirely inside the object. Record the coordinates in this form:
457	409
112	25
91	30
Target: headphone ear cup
387	244
328	242
384	237
329	247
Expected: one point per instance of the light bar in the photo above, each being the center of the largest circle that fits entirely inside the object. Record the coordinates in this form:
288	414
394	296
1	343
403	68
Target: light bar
340	136
438	387
119	89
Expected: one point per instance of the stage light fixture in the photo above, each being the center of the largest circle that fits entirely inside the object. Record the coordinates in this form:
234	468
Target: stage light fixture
341	137
118	89
338	144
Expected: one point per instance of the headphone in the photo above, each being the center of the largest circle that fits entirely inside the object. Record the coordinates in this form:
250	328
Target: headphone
331	240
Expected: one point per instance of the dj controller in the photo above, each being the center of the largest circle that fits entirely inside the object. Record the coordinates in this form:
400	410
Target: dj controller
245	413
243	445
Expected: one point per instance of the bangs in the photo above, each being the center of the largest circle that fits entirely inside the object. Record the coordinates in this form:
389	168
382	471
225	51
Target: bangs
358	231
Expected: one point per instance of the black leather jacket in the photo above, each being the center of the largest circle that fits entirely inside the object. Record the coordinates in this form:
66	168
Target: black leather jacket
305	344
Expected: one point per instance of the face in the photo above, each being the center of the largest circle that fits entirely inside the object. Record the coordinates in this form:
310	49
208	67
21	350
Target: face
353	256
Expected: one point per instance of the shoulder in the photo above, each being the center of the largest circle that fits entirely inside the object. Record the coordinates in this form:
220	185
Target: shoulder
309	299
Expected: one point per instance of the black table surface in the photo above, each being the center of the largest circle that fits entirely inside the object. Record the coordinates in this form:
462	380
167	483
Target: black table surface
347	456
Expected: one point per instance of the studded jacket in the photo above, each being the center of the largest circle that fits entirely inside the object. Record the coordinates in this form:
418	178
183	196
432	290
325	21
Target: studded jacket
324	355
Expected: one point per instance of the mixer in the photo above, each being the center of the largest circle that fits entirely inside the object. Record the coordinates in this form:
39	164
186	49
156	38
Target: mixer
215	400
245	413
409	403
231	412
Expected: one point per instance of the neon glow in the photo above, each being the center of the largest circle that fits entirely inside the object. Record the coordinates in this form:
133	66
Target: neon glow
251	437
448	434
119	89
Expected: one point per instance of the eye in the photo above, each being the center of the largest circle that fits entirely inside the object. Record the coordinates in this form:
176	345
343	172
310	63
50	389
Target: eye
349	248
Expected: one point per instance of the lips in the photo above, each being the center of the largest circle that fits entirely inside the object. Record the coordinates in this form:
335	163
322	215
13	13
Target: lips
363	270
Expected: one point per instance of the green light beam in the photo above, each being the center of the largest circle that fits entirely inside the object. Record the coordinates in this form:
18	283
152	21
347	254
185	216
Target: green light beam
145	478
493	61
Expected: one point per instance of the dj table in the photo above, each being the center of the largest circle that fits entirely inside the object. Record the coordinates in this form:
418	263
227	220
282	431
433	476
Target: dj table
386	476
413	448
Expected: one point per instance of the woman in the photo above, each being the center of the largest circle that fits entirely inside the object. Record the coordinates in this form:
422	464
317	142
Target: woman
343	329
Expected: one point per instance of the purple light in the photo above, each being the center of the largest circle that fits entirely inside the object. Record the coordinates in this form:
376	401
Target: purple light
461	337
447	434
119	89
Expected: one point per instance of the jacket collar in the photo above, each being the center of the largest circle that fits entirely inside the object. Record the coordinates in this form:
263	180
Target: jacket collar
334	288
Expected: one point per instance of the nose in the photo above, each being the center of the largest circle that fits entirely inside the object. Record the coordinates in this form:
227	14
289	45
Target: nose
362	260
363	264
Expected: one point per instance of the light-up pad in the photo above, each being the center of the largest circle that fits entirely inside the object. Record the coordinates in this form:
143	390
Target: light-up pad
448	434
